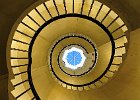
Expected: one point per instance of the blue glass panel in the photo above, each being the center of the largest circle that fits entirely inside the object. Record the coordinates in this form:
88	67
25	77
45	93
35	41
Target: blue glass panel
74	58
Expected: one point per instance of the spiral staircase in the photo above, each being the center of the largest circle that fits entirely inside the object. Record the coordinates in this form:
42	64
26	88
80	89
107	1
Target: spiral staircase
47	29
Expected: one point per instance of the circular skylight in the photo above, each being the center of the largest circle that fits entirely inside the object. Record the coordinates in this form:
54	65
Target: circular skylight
73	58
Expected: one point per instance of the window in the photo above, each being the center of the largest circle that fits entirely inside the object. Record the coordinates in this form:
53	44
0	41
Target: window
73	58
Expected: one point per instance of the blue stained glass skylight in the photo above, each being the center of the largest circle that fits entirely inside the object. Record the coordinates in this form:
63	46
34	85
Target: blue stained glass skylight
74	58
